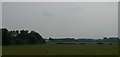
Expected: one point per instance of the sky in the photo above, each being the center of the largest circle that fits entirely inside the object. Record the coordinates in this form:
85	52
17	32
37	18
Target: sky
60	0
63	19
0	23
0	14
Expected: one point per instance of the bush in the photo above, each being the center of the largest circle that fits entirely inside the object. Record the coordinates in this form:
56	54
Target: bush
100	43
65	43
110	43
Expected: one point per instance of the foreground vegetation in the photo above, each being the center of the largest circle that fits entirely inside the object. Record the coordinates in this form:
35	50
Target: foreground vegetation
0	50
57	49
20	37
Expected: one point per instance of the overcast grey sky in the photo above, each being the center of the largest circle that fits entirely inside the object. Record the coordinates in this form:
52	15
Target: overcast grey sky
60	0
72	19
0	14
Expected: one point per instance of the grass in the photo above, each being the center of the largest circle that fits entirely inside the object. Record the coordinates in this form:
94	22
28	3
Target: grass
57	49
0	50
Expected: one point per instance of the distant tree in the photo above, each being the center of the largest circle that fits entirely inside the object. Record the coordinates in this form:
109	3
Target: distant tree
33	39
51	39
23	34
105	38
0	36
17	31
22	37
5	37
36	37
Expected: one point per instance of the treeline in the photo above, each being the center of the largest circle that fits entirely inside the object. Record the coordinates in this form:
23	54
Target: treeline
105	39
21	37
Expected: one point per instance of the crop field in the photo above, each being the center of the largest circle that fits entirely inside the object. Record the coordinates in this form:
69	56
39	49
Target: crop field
60	49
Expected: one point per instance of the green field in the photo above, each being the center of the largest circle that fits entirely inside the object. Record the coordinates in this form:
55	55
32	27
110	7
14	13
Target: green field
57	49
0	50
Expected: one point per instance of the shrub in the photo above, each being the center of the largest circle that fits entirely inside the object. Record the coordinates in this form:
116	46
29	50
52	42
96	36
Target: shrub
82	43
100	43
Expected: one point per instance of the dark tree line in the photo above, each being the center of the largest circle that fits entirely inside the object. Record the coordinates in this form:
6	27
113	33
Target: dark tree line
21	37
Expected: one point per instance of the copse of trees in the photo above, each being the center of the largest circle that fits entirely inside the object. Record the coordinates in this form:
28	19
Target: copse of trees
21	37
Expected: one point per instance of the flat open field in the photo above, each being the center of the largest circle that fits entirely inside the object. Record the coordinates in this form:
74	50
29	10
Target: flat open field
0	50
57	49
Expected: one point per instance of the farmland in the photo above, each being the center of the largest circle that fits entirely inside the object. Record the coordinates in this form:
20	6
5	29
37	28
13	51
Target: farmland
61	49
